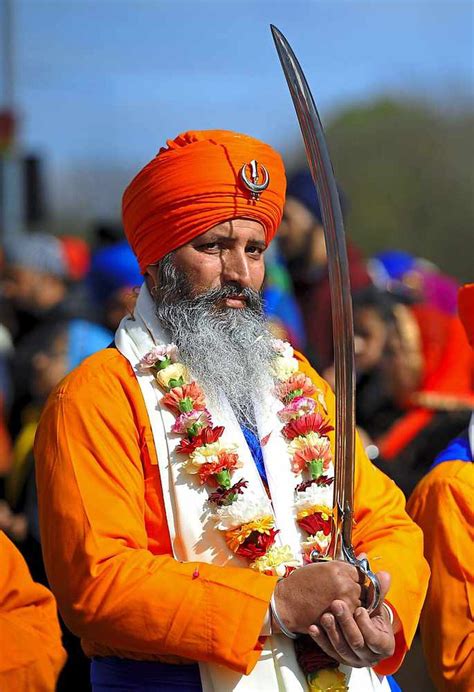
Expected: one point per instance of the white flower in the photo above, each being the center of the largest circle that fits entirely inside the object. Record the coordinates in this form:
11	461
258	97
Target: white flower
245	509
318	542
283	367
208	454
315	496
276	560
283	348
311	439
175	371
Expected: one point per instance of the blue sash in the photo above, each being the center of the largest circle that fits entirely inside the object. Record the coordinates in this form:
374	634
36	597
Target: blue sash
256	451
458	449
123	674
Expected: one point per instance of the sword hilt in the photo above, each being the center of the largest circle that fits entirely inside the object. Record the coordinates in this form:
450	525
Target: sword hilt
371	581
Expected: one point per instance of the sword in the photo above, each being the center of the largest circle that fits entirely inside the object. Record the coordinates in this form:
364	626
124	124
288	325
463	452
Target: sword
343	328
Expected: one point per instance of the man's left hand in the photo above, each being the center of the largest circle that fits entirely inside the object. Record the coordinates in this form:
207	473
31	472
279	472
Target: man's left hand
356	639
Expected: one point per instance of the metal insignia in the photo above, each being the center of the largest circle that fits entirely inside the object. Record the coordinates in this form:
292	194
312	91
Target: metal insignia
252	183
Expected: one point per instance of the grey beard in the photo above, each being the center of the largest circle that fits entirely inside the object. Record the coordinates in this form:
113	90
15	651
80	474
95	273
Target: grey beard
227	350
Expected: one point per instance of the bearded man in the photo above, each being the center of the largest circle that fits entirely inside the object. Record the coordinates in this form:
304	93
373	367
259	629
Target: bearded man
185	471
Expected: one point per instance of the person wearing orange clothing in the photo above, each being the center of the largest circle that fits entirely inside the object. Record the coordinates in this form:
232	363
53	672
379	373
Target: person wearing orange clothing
442	505
185	474
31	655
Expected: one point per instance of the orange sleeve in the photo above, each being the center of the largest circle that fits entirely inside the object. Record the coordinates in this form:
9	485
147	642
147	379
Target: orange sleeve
111	590
30	638
392	541
442	505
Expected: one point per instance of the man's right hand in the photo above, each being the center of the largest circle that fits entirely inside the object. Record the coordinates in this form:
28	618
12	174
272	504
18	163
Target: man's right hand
308	592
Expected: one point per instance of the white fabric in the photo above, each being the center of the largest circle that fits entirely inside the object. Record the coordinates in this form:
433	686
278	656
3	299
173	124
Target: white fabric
192	530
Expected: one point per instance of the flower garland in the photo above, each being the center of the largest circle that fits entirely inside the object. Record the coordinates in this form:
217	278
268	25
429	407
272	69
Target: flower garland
247	522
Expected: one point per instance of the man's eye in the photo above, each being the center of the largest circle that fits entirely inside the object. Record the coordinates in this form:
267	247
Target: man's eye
209	246
254	250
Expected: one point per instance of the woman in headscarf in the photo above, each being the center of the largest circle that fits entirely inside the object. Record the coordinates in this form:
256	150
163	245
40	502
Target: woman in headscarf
430	376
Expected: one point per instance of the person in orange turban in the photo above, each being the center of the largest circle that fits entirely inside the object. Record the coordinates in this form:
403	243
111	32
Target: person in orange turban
195	183
442	504
156	462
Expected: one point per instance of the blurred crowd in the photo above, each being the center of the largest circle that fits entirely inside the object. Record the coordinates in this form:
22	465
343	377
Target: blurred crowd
62	299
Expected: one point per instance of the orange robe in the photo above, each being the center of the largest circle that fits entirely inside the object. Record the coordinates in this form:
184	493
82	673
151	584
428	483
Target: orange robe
107	548
442	504
31	655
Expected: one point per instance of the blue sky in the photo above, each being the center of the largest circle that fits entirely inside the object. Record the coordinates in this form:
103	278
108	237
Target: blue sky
106	81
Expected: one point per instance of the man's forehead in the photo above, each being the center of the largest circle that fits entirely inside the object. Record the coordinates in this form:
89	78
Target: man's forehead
235	228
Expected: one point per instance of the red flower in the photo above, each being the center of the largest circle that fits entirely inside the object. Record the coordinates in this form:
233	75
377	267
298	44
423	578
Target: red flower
310	656
257	544
183	399
206	437
225	496
314	523
228	461
312	422
321	480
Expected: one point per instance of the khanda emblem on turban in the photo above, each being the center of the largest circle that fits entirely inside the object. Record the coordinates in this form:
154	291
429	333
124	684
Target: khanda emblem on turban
252	183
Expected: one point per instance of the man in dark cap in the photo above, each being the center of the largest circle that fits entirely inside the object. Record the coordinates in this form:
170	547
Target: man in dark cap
301	238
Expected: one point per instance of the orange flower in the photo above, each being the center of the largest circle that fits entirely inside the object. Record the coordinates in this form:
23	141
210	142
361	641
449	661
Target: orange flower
184	399
317	453
228	461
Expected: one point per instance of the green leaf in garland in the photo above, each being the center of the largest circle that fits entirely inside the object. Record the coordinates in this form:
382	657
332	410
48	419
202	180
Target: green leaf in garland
315	468
223	478
186	405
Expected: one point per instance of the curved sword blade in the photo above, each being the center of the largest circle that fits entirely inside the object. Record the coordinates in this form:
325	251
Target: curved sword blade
343	331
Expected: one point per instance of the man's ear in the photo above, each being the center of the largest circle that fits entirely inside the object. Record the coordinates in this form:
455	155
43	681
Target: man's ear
151	276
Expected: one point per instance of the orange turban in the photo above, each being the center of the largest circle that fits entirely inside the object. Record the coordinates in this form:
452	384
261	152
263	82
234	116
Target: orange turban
466	310
193	184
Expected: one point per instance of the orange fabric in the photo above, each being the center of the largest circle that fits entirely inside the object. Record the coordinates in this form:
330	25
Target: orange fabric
447	381
107	548
30	639
466	310
442	505
194	184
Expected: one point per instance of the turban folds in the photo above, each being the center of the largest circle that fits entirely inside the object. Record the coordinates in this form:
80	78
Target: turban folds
193	184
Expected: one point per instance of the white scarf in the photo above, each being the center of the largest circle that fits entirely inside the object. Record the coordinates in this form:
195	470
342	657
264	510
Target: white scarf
193	533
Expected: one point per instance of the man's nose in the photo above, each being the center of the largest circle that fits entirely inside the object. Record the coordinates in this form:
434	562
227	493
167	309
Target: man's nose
235	268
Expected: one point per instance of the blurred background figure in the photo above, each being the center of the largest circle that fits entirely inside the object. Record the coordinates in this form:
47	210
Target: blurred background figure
442	505
413	279
40	285
44	357
113	281
430	377
281	308
38	281
374	327
301	238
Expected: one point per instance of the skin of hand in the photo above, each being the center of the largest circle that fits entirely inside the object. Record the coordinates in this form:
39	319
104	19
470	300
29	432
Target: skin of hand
308	592
356	638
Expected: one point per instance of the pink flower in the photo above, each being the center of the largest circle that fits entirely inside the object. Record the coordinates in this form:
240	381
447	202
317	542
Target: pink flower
192	422
295	386
301	406
158	354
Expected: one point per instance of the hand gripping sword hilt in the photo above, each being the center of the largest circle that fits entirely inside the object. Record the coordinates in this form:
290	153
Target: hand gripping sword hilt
371	582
